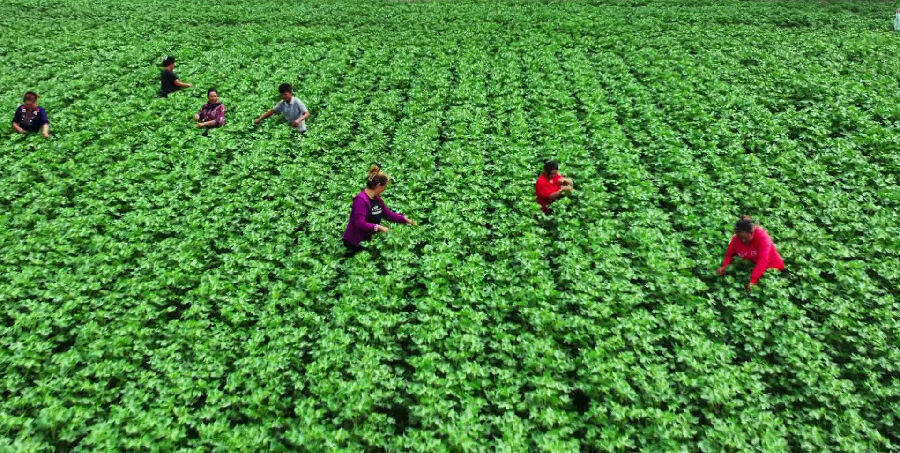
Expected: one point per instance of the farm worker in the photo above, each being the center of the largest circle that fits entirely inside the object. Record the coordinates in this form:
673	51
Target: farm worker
31	118
368	210
293	110
212	114
169	81
551	185
753	243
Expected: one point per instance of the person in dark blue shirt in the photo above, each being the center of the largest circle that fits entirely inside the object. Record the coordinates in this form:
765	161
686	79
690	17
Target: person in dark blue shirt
31	118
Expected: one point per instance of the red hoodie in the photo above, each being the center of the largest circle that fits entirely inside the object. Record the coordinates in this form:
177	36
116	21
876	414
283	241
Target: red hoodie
543	188
760	250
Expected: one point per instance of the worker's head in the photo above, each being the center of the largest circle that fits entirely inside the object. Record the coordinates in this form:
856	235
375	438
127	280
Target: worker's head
286	92
168	63
551	168
212	95
376	180
30	98
744	229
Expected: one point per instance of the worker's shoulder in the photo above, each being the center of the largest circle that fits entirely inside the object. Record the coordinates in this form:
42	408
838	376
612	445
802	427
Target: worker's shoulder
762	234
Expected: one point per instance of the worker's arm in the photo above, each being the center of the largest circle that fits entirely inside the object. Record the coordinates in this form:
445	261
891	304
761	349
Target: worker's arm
303	117
559	193
264	116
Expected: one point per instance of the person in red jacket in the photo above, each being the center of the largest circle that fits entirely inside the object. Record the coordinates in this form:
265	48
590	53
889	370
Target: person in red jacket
551	185
753	243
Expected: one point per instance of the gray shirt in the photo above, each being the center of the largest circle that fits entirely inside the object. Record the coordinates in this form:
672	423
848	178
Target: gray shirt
291	111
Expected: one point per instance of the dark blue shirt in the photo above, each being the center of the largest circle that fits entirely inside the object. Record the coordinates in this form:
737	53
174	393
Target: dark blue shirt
31	121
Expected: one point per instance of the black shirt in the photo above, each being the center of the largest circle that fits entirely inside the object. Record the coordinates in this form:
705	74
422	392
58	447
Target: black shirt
375	212
167	81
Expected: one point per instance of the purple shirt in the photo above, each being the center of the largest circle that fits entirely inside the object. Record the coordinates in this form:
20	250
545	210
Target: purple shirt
213	112
31	121
358	228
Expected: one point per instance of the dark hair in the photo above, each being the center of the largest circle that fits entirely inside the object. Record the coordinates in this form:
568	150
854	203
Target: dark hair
376	178
744	225
284	88
169	60
550	165
212	90
30	96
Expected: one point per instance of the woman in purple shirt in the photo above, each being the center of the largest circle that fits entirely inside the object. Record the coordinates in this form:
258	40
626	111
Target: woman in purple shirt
368	210
212	114
31	118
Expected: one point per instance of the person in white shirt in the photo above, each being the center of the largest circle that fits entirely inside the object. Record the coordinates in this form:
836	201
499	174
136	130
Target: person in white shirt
294	111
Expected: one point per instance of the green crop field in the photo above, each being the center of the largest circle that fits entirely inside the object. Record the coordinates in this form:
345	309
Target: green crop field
161	290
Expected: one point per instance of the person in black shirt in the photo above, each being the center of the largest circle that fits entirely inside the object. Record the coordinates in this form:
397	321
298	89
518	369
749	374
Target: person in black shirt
169	82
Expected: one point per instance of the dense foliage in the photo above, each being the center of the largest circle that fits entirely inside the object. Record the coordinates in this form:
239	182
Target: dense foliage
162	290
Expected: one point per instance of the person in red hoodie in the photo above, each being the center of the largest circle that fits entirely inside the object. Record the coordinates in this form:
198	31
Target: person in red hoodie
753	243
551	185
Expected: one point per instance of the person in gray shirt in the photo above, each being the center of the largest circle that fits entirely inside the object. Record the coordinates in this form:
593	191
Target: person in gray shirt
294	111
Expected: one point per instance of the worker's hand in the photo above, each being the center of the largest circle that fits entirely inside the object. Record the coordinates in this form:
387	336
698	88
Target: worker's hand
196	117
411	222
256	121
381	229
721	270
568	188
750	286
46	135
296	123
199	125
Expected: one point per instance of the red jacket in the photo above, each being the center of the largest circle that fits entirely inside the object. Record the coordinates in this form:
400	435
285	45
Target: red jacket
761	250
544	188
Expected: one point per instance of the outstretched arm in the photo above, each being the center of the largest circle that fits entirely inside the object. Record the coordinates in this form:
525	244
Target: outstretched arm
18	128
181	84
264	116
392	216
